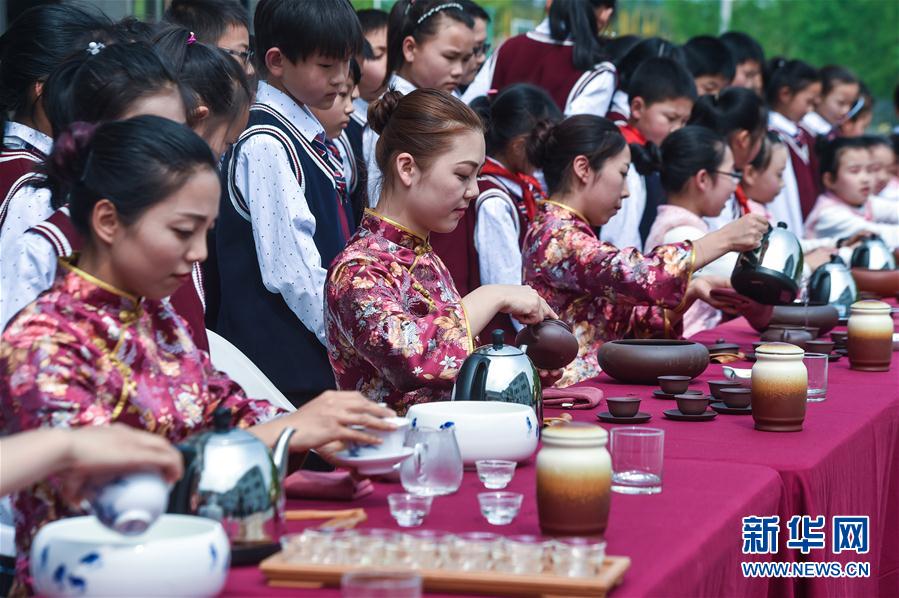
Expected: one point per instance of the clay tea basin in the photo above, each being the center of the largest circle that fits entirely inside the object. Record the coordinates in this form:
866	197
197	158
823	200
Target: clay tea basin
623	406
822	317
550	344
642	361
716	386
883	283
674	385
692	404
736	398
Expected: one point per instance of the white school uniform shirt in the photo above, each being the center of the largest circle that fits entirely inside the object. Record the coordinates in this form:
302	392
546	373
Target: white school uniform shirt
786	207
360	111
621	104
815	124
832	217
283	225
370	139
591	94
623	229
25	206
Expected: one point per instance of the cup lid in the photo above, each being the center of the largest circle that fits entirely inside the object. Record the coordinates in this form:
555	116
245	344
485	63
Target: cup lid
777	348
870	306
575	433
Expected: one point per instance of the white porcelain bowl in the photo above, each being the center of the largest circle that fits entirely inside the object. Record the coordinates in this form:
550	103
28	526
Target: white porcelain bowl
180	555
484	429
741	375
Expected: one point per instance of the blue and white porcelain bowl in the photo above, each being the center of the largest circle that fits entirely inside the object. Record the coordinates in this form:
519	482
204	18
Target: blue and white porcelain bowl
181	555
484	429
130	504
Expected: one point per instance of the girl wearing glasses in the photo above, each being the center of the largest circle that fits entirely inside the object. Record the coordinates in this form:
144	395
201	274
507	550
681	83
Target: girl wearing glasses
697	173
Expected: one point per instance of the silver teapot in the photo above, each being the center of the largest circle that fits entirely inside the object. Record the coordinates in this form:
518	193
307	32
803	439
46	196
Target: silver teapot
770	274
231	476
874	254
832	283
500	372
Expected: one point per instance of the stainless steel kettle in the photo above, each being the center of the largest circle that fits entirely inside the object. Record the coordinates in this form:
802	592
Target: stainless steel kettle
231	476
872	253
500	372
832	283
770	274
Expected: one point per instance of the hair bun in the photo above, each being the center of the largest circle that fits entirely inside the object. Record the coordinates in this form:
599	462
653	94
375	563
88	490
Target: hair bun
380	111
541	142
646	158
65	166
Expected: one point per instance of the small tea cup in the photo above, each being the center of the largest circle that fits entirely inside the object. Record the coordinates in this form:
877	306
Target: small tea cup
391	440
692	404
623	406
715	386
736	398
130	504
674	385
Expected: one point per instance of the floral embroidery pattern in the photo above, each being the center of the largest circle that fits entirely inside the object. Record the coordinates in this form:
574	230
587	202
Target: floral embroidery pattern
602	292
397	331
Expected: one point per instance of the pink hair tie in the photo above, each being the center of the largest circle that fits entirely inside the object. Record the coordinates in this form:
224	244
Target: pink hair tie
192	39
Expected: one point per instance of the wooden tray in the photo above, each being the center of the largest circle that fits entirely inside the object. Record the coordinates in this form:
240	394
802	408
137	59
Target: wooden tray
281	573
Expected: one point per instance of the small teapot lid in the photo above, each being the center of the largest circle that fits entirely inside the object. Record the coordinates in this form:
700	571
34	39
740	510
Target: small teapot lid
870	306
575	434
499	347
777	348
223	433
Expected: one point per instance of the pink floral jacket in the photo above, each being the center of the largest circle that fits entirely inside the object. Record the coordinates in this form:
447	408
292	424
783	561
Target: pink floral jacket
602	292
87	354
397	330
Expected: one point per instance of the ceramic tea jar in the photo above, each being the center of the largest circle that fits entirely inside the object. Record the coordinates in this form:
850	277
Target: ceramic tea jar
779	386
870	340
574	480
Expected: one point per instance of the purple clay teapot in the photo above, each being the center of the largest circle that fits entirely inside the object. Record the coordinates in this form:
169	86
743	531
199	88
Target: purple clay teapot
550	344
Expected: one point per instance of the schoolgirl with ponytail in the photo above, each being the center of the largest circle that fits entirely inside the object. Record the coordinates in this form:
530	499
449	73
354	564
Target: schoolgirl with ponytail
486	246
564	55
603	292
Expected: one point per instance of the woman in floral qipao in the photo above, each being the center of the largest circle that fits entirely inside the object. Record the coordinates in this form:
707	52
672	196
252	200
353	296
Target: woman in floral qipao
602	292
398	331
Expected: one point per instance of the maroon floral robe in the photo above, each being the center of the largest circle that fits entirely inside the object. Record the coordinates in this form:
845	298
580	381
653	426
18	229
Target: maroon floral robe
602	292
397	331
87	354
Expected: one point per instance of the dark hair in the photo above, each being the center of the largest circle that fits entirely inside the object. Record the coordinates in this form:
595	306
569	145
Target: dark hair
653	47
617	47
872	141
420	20
302	28
553	148
743	47
422	123
792	74
216	80
102	86
707	55
661	79
833	75
763	159
35	44
208	19
372	19
734	109
514	111
355	72
475	10
831	152
576	19
687	151
88	162
132	29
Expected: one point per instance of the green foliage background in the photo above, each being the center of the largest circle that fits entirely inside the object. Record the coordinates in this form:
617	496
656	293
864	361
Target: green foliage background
860	34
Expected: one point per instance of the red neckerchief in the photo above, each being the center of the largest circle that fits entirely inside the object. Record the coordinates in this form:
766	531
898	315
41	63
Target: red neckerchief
531	190
632	135
742	200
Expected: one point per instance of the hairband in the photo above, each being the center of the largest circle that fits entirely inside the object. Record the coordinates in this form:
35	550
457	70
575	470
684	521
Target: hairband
437	9
191	39
94	48
780	63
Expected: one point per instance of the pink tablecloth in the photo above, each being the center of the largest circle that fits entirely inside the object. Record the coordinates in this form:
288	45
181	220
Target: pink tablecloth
687	540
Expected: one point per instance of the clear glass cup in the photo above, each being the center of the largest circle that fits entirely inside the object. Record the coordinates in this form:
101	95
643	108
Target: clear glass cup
494	473
379	547
816	364
409	510
380	584
578	557
637	456
523	554
473	551
424	548
500	508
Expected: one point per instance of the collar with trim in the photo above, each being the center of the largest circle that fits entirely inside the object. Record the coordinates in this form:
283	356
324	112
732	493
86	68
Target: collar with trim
394	232
94	291
778	121
565	212
18	136
295	112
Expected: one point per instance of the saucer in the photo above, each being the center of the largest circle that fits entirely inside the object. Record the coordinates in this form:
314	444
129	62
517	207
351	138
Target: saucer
373	464
640	418
835	356
660	394
720	407
676	415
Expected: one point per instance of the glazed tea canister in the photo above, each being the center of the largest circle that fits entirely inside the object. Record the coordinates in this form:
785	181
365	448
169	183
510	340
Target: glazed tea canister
779	385
870	340
574	480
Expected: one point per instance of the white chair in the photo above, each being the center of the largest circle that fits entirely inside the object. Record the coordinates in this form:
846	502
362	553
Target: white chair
7	528
229	359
